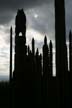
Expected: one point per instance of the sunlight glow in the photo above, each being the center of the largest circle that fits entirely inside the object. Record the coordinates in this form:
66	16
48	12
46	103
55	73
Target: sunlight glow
35	15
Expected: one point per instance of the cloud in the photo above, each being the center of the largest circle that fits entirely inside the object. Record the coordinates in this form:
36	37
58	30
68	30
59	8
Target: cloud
44	8
9	7
13	4
68	17
44	22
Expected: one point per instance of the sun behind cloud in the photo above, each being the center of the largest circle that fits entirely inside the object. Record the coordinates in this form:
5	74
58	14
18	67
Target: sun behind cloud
35	15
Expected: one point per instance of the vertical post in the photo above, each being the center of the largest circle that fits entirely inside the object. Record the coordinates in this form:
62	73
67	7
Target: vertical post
33	46
51	58
70	51
60	33
60	38
10	54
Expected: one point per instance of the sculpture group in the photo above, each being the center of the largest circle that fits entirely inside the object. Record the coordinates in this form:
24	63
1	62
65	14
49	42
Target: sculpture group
33	79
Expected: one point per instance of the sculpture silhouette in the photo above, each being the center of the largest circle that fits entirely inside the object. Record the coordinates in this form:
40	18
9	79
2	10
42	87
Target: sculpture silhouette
20	23
33	81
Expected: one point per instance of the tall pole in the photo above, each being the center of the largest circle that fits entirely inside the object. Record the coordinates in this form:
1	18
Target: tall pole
60	33
51	57
10	54
70	51
60	38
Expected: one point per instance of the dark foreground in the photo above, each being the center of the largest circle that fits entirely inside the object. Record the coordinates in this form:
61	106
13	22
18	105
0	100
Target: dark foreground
8	99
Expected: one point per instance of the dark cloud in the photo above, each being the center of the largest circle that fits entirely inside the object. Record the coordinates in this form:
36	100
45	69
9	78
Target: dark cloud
9	7
45	22
13	4
68	17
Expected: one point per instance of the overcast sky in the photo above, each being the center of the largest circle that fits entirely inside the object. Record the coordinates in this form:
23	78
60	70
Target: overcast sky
40	22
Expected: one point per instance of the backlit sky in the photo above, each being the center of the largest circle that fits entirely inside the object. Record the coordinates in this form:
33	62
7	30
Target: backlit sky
40	22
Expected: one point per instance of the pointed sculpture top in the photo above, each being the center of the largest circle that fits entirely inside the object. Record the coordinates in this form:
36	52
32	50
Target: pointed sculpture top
45	40
50	43
20	22
70	36
11	30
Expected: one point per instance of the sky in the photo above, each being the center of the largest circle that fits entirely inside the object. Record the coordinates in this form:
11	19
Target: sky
40	22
